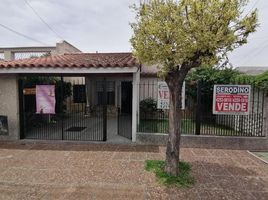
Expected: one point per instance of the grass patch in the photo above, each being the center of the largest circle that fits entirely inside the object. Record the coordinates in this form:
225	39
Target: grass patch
187	127
184	179
161	126
262	155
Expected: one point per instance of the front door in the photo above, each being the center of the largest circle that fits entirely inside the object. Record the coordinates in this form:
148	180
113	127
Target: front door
126	97
125	113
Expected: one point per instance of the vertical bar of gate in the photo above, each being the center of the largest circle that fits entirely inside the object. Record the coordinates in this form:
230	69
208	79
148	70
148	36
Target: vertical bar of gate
104	110
263	115
198	109
61	108
257	115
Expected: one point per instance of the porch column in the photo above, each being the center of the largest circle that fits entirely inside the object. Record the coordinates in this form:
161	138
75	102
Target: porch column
135	103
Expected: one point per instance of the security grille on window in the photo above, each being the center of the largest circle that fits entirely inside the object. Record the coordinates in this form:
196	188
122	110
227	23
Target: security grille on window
110	90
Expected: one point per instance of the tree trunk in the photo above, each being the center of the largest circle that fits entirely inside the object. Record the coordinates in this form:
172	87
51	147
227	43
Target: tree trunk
175	83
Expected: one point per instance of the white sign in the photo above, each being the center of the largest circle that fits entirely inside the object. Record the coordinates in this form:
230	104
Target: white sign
231	99
163	96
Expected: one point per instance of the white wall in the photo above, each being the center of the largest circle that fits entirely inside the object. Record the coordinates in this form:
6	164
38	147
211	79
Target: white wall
9	105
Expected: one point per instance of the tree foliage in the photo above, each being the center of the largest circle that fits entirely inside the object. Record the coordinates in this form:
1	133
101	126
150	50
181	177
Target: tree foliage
179	34
260	81
209	76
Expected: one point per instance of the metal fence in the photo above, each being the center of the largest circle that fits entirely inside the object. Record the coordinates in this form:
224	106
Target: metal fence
71	120
197	116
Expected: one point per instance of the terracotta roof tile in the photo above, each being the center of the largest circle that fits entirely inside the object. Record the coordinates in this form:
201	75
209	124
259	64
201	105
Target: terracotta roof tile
77	60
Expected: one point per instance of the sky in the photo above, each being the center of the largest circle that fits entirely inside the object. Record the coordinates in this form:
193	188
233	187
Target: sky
103	26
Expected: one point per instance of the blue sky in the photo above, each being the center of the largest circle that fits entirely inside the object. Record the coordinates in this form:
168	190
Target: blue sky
103	25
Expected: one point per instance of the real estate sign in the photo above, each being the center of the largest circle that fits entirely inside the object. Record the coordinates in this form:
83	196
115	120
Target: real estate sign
163	96
45	99
231	99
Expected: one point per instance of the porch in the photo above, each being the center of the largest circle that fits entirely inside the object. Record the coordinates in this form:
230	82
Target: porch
95	97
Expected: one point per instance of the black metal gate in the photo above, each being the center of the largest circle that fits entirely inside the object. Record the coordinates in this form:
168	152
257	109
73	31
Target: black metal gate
125	113
71	118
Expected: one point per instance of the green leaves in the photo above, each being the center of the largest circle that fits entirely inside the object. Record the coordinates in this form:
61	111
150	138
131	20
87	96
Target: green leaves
260	81
189	33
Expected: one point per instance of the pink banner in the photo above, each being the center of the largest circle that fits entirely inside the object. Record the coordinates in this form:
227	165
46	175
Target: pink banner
45	99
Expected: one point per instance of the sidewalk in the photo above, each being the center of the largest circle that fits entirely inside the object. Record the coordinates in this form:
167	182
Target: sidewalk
99	171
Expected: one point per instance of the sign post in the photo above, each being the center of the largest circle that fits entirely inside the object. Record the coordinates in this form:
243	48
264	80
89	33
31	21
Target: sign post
231	99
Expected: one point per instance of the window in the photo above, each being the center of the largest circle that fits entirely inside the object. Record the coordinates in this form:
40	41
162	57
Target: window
110	91
79	93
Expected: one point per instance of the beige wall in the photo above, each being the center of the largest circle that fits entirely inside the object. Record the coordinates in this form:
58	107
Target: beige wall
148	88
9	105
65	47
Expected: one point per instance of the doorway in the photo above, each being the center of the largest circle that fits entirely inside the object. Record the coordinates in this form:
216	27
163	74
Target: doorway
125	114
126	97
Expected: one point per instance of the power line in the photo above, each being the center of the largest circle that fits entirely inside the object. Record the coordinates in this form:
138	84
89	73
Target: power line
256	53
36	13
253	7
21	34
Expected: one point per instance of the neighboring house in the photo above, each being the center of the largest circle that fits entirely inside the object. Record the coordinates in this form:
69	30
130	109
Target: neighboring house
252	70
15	53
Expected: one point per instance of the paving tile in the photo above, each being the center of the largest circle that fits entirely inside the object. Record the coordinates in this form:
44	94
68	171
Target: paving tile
171	193
219	153
93	171
86	193
155	156
246	161
122	156
208	160
260	195
228	161
156	193
138	156
224	194
121	193
56	193
216	170
13	192
198	168
135	165
253	183
229	182
206	182
261	171
201	152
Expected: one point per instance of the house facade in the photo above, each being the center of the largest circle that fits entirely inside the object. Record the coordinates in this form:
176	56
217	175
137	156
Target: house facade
103	95
111	97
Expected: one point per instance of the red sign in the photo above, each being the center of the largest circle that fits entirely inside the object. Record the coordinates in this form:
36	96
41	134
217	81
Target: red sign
231	99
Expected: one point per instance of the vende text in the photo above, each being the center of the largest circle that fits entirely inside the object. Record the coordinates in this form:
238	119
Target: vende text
231	99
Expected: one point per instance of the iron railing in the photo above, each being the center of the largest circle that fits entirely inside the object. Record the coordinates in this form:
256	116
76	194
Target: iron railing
197	117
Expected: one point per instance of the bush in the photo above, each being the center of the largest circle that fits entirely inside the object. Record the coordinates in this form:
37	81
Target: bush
148	105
